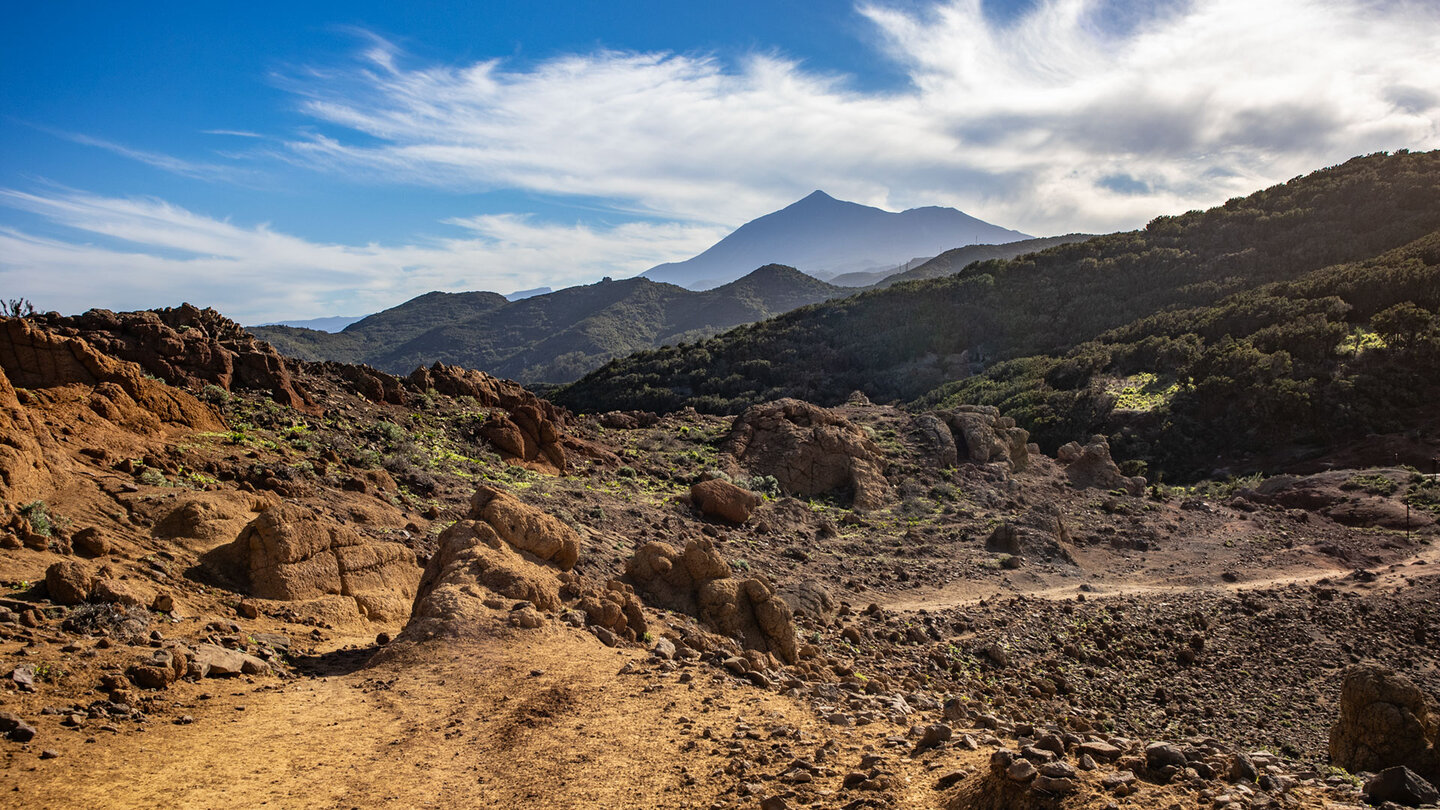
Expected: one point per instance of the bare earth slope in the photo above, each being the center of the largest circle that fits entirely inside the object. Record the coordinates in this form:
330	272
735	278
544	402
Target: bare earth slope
975	624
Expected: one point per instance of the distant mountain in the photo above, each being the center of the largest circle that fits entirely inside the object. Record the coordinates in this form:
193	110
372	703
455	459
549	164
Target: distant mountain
953	261
556	337
821	235
332	324
531	293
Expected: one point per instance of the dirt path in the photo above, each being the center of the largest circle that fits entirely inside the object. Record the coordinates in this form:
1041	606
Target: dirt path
966	593
535	723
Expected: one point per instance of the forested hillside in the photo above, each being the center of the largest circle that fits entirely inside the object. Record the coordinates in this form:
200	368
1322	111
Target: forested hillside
1287	273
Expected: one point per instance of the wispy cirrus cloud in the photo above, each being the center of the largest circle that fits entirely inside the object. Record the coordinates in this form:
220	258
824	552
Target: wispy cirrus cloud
1055	121
145	253
237	133
170	163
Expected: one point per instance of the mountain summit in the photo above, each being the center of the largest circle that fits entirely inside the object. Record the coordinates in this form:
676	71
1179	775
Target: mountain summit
823	236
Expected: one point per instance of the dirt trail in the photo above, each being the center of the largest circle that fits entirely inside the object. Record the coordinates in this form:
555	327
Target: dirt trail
529	723
966	593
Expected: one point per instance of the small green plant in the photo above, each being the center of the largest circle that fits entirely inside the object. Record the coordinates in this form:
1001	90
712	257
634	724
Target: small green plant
49	673
740	565
214	394
1373	483
151	477
39	517
648	637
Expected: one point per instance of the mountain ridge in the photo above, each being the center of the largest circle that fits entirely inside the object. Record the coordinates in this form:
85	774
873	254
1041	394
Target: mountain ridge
555	337
821	235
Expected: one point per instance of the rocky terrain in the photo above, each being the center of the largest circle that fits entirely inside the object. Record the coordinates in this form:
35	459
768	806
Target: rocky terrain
236	578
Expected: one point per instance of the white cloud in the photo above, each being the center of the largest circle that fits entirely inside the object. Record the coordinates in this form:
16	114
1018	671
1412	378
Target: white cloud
1059	121
1026	124
156	254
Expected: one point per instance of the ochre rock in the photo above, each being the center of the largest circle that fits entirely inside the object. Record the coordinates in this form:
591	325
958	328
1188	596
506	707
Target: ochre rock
724	500
1385	720
809	450
289	553
526	528
697	581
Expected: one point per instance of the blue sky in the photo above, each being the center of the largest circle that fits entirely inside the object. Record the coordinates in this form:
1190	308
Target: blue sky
306	159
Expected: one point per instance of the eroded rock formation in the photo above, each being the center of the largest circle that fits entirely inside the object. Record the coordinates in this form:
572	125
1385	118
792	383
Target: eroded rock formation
1385	720
290	553
697	581
809	450
1091	466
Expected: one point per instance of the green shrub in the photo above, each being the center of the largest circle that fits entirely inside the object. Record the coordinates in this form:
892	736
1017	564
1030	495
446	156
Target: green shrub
39	517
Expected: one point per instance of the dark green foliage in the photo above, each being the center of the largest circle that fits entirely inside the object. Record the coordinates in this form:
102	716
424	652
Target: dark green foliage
1245	310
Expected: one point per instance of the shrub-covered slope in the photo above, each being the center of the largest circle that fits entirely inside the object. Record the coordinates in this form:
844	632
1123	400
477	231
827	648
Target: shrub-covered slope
1319	232
551	338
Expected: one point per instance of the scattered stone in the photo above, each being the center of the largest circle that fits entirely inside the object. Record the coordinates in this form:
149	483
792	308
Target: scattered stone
1021	770
1402	786
935	735
15	728
1159	754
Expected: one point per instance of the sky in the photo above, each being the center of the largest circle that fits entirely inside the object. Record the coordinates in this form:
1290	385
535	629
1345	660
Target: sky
307	159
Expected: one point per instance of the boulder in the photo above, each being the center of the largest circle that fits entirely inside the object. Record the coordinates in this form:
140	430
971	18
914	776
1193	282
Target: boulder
809	598
983	436
69	582
1402	786
471	564
723	500
809	450
1091	466
697	581
1385	720
214	661
509	549
933	436
614	607
288	552
1004	539
90	542
160	669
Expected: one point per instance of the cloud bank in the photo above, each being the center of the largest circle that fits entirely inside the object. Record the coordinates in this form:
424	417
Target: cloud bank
1078	115
1055	122
156	254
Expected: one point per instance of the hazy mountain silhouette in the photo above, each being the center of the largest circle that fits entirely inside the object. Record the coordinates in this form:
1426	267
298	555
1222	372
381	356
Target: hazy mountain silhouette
824	237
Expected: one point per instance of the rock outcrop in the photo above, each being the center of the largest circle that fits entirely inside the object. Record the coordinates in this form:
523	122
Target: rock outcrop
505	553
983	436
1385	720
721	499
290	553
809	450
37	357
1091	466
525	429
526	528
188	346
26	470
697	581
